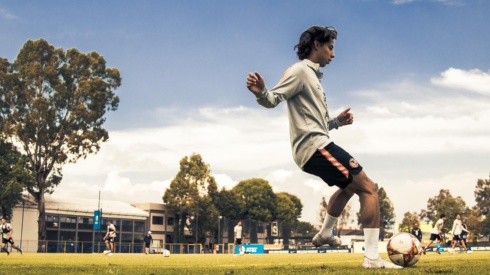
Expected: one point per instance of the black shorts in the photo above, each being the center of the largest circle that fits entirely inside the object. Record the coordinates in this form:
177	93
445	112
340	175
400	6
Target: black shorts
9	240
238	241
333	165
110	239
147	245
434	237
457	238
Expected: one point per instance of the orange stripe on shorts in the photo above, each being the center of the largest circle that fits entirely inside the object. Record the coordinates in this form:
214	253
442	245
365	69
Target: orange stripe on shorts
334	162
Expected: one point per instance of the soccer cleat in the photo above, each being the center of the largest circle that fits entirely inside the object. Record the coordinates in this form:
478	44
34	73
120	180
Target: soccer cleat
379	263
331	241
20	250
469	251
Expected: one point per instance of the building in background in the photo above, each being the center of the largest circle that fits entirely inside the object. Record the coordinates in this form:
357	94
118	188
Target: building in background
70	225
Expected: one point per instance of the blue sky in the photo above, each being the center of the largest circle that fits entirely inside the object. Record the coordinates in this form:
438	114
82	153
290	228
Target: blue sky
416	74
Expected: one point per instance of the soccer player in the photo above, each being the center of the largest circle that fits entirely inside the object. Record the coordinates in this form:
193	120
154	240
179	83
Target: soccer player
464	236
417	232
457	230
7	232
238	235
148	239
313	149
110	236
437	233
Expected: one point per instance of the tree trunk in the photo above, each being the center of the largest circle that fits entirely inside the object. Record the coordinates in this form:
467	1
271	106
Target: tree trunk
41	221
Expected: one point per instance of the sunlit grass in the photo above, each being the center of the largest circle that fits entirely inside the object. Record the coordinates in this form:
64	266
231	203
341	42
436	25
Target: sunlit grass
475	263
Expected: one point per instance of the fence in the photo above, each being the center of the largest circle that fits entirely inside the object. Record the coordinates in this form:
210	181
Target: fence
99	247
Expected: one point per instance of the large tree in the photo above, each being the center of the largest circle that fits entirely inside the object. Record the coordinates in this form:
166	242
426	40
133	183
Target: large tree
53	105
445	203
189	197
288	211
482	195
13	178
409	220
387	212
258	202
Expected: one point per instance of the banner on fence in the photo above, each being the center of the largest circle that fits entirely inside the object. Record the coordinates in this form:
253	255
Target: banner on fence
97	219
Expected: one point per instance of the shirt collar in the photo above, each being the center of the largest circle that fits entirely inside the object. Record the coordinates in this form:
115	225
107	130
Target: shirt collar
314	66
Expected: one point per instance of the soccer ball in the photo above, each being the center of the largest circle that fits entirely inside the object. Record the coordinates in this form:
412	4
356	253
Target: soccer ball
166	253
404	249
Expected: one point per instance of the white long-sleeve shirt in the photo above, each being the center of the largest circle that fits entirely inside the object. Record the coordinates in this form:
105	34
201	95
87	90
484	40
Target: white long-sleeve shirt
309	121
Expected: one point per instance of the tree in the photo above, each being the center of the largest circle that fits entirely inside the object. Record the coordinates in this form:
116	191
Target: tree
230	207
387	212
305	229
344	219
482	195
288	210
409	219
258	201
485	226
53	104
13	178
433	203
323	210
190	195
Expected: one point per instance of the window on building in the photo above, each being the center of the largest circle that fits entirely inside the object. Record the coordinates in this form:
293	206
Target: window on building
170	221
85	223
68	222
127	226
139	226
157	220
52	221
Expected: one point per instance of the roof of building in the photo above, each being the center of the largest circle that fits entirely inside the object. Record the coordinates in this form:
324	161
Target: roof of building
89	205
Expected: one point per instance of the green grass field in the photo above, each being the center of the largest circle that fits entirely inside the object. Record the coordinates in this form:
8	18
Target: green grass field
475	263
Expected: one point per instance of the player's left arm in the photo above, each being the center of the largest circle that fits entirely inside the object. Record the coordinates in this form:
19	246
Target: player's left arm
344	118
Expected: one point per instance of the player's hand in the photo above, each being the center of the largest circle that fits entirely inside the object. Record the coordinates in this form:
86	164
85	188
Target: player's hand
255	83
346	117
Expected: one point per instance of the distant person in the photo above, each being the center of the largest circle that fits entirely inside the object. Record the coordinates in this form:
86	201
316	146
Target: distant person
7	232
457	230
148	239
238	235
417	232
437	233
464	235
110	237
313	148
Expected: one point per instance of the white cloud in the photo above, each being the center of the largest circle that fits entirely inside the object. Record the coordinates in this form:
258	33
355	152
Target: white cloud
6	14
396	121
471	80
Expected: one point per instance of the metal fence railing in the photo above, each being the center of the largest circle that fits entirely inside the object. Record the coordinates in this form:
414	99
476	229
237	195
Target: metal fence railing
99	247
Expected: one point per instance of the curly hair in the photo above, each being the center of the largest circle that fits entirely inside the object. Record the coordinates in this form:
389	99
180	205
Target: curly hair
312	34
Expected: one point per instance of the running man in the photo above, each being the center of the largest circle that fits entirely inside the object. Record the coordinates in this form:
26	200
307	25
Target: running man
110	236
437	233
7	232
313	149
457	230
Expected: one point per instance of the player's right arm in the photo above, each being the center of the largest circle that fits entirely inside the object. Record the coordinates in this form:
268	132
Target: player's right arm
289	85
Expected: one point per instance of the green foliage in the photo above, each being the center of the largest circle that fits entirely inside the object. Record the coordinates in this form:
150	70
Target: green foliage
257	198
52	104
304	229
409	220
482	195
288	208
485	226
191	194
13	178
386	209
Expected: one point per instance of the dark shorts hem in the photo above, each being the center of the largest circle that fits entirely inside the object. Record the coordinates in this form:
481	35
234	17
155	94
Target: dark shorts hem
334	166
